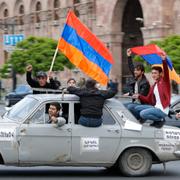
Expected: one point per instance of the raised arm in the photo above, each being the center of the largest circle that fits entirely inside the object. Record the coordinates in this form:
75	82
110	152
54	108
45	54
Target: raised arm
130	63
30	81
108	93
165	69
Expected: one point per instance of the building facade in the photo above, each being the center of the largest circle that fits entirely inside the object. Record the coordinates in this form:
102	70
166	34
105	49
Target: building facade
120	24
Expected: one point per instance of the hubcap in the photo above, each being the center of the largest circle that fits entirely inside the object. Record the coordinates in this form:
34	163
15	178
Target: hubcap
135	161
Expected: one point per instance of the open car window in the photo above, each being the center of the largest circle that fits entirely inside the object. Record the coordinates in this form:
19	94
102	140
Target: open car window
41	115
106	117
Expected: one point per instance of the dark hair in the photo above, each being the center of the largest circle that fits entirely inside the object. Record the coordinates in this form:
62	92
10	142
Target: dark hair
139	66
57	105
157	68
90	83
71	79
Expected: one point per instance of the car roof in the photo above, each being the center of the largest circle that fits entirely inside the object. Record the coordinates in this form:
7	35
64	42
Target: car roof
55	97
68	97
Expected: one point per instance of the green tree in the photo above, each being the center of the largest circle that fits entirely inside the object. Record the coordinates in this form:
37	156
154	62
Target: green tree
171	45
39	52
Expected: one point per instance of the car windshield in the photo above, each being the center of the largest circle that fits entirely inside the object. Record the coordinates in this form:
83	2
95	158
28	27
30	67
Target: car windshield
174	98
20	110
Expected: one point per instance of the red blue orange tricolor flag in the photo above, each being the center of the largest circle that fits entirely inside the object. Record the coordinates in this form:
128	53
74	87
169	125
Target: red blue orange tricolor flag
85	50
151	54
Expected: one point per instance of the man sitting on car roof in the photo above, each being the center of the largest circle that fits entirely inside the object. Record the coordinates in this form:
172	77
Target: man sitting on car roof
91	100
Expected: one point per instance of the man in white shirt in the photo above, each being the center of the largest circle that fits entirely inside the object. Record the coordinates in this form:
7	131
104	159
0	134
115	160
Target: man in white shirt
158	98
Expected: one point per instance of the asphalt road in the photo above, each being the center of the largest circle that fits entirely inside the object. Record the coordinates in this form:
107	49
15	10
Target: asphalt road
69	173
47	173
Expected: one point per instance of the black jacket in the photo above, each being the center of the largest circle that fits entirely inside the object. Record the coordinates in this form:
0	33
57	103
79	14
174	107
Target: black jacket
143	84
35	84
91	100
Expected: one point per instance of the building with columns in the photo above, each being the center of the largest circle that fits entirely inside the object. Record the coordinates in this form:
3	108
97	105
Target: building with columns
120	24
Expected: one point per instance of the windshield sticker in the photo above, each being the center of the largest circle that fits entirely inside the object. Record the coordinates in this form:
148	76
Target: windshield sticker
164	146
171	134
7	134
89	144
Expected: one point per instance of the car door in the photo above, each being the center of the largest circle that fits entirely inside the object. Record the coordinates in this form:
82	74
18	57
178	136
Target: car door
95	145
42	143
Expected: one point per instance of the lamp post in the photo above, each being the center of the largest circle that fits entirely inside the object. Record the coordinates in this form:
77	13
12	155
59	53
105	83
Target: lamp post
6	25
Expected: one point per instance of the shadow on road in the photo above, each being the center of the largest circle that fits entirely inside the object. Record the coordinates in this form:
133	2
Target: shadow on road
73	172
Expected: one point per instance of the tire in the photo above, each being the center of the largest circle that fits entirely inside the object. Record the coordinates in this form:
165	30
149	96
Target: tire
135	162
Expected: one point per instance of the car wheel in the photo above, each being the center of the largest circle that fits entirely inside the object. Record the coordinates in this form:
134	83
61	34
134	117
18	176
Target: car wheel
7	102
135	162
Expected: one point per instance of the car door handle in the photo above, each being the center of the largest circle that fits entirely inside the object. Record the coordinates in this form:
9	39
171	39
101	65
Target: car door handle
69	129
113	130
22	130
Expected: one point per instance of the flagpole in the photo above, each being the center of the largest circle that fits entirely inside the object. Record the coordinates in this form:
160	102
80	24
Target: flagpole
52	63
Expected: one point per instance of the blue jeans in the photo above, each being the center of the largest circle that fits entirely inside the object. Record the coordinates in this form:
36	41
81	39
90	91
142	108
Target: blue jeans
152	113
137	109
90	122
131	107
148	112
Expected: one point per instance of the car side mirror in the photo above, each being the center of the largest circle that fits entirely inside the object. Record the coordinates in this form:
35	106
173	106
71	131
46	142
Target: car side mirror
61	122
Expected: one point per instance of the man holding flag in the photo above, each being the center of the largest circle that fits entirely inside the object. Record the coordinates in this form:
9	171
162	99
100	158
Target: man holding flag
158	98
85	50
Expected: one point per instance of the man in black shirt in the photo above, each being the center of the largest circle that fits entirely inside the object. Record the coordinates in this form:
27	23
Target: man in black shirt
139	84
40	82
92	101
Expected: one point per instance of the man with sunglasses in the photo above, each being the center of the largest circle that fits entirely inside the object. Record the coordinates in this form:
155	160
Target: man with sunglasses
40	81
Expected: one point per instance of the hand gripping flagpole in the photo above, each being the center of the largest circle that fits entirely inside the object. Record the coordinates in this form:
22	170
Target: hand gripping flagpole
52	63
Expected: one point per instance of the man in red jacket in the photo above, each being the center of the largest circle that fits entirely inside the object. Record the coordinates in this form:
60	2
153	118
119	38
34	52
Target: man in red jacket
158	98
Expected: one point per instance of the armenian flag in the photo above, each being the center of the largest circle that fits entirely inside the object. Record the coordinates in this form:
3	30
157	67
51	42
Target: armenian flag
85	50
151	53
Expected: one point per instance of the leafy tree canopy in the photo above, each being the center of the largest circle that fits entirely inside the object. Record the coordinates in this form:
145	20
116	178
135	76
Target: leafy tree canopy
37	51
171	45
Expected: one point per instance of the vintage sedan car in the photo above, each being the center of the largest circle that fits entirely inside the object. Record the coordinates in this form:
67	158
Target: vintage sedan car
27	140
19	93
